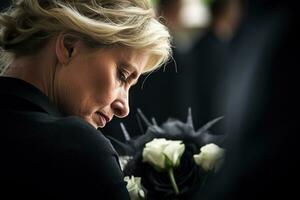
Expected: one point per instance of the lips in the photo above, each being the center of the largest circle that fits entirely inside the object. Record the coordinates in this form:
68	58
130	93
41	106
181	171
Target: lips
102	119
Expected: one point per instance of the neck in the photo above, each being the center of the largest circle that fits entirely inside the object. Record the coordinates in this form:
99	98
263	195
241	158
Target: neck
38	70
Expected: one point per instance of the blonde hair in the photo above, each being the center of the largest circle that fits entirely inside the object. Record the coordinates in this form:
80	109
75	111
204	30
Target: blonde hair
28	24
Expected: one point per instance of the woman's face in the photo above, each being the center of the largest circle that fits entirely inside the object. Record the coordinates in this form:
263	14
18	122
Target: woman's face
94	85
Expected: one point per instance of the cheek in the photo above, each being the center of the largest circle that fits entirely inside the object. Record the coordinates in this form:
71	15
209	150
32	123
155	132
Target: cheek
104	85
87	87
104	91
72	97
72	90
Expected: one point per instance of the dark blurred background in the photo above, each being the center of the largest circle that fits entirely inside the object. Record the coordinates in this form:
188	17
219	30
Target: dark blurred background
4	4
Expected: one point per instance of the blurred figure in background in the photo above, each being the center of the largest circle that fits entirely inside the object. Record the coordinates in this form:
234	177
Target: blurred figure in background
262	144
225	18
206	69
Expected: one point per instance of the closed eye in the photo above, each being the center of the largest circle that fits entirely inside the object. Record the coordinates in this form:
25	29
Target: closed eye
127	76
123	75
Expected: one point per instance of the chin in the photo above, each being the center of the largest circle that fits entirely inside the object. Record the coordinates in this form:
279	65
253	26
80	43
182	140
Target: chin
96	120
90	120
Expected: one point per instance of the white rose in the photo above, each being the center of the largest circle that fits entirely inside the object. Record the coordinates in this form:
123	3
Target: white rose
173	152
134	188
210	158
162	153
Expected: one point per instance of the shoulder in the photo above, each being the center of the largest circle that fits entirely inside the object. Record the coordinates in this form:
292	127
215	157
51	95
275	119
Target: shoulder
51	133
77	133
81	151
92	158
78	159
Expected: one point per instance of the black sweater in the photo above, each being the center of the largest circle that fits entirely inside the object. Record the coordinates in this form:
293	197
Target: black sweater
44	154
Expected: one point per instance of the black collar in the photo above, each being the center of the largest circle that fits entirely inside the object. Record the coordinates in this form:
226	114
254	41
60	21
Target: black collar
24	90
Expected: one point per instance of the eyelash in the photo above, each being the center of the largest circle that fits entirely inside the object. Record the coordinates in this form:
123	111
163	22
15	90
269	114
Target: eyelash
121	75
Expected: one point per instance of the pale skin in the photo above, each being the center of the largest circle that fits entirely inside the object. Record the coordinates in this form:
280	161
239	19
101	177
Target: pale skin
90	83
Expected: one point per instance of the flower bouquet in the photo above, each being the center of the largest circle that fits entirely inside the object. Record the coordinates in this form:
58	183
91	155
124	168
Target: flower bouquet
171	161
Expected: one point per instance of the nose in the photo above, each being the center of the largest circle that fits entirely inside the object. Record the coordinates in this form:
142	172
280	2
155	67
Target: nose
120	105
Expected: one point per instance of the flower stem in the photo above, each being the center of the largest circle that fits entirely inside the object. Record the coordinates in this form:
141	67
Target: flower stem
173	182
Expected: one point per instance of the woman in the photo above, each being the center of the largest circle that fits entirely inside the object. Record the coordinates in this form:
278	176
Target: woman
68	69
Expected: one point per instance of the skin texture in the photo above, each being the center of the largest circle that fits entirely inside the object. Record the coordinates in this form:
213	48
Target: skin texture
90	83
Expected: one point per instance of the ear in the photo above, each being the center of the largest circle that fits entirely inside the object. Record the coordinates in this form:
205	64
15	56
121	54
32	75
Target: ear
65	44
